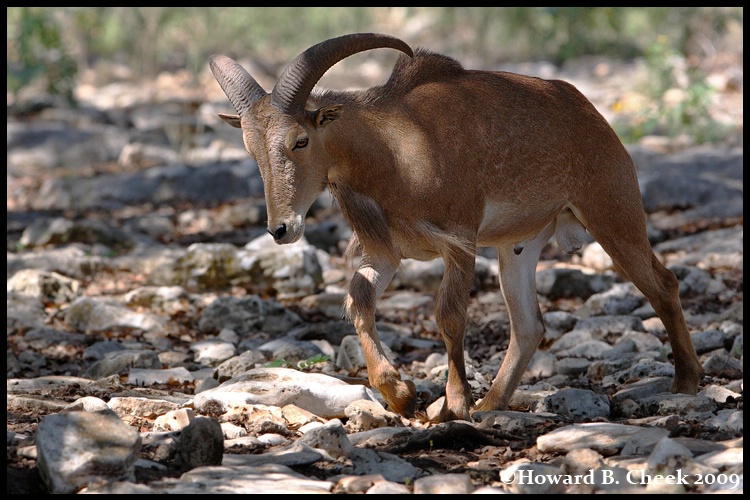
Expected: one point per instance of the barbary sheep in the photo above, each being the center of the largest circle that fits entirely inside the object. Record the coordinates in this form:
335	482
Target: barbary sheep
436	162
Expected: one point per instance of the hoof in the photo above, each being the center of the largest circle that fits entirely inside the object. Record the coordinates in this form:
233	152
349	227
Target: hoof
402	398
460	409
681	387
687	384
457	414
488	404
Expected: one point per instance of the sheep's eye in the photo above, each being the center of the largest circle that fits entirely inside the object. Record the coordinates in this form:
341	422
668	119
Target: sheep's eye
301	143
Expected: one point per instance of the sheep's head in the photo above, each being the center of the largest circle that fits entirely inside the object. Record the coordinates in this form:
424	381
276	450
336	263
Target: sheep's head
284	137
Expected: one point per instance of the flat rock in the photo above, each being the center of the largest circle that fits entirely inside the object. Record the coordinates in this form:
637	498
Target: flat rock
320	394
606	438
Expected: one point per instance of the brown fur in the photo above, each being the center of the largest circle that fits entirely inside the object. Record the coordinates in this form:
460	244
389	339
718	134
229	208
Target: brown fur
440	160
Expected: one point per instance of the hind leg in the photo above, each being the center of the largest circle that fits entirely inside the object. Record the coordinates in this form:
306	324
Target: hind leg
621	231
518	284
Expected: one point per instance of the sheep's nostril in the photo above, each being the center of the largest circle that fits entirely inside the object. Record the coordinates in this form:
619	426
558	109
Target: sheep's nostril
279	232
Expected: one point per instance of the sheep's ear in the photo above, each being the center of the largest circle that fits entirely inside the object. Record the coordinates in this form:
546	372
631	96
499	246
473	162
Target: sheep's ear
328	114
233	120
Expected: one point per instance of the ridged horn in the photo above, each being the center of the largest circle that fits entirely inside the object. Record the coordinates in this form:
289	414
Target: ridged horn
298	79
241	88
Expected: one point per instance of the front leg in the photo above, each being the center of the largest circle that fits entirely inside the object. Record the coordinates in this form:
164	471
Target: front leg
450	313
366	286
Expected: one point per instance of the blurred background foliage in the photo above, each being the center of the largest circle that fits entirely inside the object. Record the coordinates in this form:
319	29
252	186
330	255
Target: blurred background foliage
54	45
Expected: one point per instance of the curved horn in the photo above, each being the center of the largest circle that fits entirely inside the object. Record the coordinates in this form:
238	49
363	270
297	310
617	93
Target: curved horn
299	78
241	88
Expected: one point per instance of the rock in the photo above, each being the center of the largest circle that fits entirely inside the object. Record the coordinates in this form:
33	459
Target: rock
571	366
643	388
159	446
558	283
488	490
666	454
247	315
443	484
144	407
212	352
24	311
713	249
297	417
142	377
594	257
34	404
208	266
672	182
379	436
710	340
644	341
351	355
134	154
320	394
291	455
239	477
330	304
622	298
720	364
171	299
359	484
680	404
168	184
542	365
532	478
388	488
512	421
45	286
580	405
119	488
80	448
290	349
602	326
88	314
718	393
737	345
570	340
239	364
727	421
49	341
364	415
560	320
292	270
330	437
201	443
425	276
174	420
70	261
118	361
243	443
532	400
44	384
391	467
606	438
590	349
582	460
87	403
406	301
60	230
694	281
